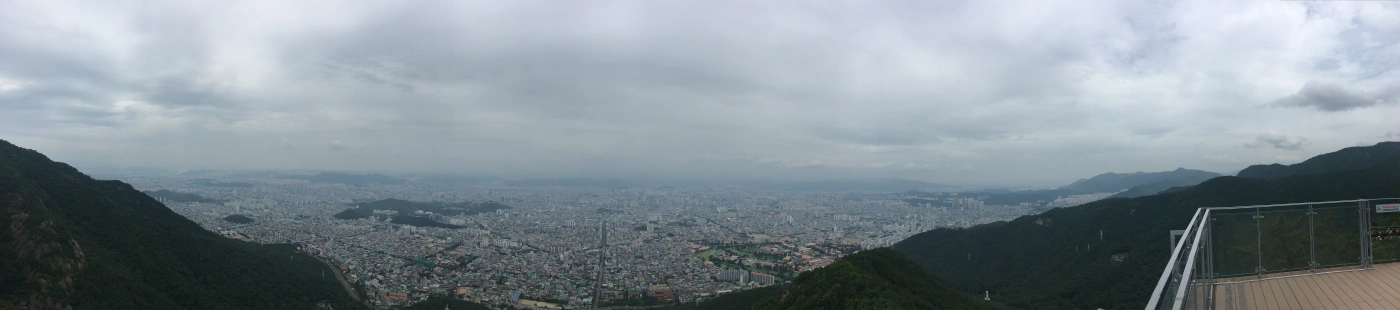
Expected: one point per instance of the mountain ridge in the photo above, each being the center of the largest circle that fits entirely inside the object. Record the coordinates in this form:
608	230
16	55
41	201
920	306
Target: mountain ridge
1062	258
1351	158
70	241
1115	182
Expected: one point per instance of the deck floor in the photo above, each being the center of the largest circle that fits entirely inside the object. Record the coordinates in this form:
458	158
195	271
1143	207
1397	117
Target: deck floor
1378	288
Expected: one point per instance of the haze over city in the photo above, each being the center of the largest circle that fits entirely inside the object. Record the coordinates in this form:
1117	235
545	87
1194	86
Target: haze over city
995	93
699	155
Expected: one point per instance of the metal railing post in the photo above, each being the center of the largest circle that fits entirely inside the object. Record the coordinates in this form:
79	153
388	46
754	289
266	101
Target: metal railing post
1365	217
1210	264
1312	242
1258	244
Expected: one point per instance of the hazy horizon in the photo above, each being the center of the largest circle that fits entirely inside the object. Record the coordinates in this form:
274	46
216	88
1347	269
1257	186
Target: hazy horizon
959	93
638	181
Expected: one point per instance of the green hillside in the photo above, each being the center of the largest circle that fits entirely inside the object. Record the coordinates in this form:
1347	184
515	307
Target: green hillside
1132	184
871	279
1057	260
239	219
441	303
744	299
68	240
405	207
1351	158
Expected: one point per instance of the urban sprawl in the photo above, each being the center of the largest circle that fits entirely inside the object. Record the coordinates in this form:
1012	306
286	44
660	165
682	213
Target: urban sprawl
564	247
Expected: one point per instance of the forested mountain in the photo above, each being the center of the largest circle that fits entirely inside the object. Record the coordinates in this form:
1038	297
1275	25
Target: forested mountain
1063	258
1159	187
67	240
871	279
1351	158
1132	184
1113	182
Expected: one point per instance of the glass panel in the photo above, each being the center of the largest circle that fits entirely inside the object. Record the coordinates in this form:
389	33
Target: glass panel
1337	228
1284	239
1168	295
1168	298
1234	242
1199	284
1385	233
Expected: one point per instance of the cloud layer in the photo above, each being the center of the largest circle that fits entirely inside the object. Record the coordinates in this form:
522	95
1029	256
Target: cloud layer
1280	142
1332	98
972	92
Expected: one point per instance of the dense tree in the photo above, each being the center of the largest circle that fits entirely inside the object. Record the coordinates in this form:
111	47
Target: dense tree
407	208
239	219
871	279
69	240
1063	258
441	303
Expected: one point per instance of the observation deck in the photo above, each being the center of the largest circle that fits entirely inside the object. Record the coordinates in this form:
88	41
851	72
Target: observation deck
1315	255
1376	288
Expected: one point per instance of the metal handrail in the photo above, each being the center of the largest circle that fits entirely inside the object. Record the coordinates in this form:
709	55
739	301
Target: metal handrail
1190	262
1166	273
1294	204
1198	229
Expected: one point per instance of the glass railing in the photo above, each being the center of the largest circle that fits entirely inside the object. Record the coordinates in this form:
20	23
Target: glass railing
1182	268
1276	240
1385	230
1252	243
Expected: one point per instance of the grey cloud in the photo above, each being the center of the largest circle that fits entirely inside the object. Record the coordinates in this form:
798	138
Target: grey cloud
1331	97
180	91
1277	141
945	91
1156	132
288	144
336	145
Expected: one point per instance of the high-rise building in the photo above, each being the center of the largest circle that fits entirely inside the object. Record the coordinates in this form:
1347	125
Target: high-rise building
739	276
760	278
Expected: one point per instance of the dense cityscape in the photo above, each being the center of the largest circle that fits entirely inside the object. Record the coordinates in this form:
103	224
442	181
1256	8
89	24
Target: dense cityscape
699	155
541	246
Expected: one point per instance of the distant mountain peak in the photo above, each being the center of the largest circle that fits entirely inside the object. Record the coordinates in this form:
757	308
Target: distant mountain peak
1115	182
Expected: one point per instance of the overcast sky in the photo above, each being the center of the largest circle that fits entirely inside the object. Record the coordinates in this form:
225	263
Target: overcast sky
974	92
